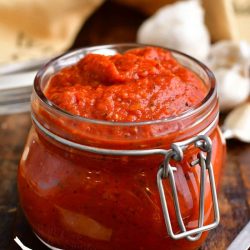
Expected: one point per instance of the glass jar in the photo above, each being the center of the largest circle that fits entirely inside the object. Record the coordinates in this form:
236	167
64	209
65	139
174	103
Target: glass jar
92	184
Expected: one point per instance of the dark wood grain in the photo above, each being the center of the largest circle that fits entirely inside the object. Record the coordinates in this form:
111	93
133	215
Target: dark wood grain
233	196
13	133
113	23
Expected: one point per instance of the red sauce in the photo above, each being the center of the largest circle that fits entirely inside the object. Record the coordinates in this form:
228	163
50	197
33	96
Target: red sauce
142	84
79	200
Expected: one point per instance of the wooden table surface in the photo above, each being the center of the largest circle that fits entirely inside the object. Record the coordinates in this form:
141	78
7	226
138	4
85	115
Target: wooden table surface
113	23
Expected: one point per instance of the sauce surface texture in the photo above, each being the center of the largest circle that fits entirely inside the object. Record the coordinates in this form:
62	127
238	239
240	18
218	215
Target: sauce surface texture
140	85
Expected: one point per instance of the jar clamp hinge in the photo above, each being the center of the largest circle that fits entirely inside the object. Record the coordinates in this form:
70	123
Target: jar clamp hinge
167	171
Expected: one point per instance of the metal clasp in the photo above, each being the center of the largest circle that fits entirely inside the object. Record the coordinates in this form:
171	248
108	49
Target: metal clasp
175	153
204	144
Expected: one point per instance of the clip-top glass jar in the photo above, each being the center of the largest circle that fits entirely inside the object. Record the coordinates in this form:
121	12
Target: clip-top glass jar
92	184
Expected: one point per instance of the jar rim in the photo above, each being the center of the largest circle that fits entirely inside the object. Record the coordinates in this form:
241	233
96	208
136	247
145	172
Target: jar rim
212	93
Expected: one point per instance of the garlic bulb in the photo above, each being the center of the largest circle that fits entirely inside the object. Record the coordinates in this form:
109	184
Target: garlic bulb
227	54
237	123
230	62
233	88
178	26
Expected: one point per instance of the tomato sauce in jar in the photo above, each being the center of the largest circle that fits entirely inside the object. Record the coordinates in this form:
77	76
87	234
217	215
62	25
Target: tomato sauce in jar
83	180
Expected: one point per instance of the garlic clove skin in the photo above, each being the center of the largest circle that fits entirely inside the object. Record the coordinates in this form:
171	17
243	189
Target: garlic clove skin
178	26
230	62
233	88
226	54
237	123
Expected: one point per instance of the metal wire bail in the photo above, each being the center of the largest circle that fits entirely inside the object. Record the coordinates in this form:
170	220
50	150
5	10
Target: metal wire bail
175	153
204	144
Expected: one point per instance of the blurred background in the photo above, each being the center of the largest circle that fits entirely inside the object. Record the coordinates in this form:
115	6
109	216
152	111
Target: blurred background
216	32
33	31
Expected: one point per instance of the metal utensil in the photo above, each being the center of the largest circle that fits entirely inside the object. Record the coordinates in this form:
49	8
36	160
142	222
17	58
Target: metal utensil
20	244
242	241
18	80
15	91
12	68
